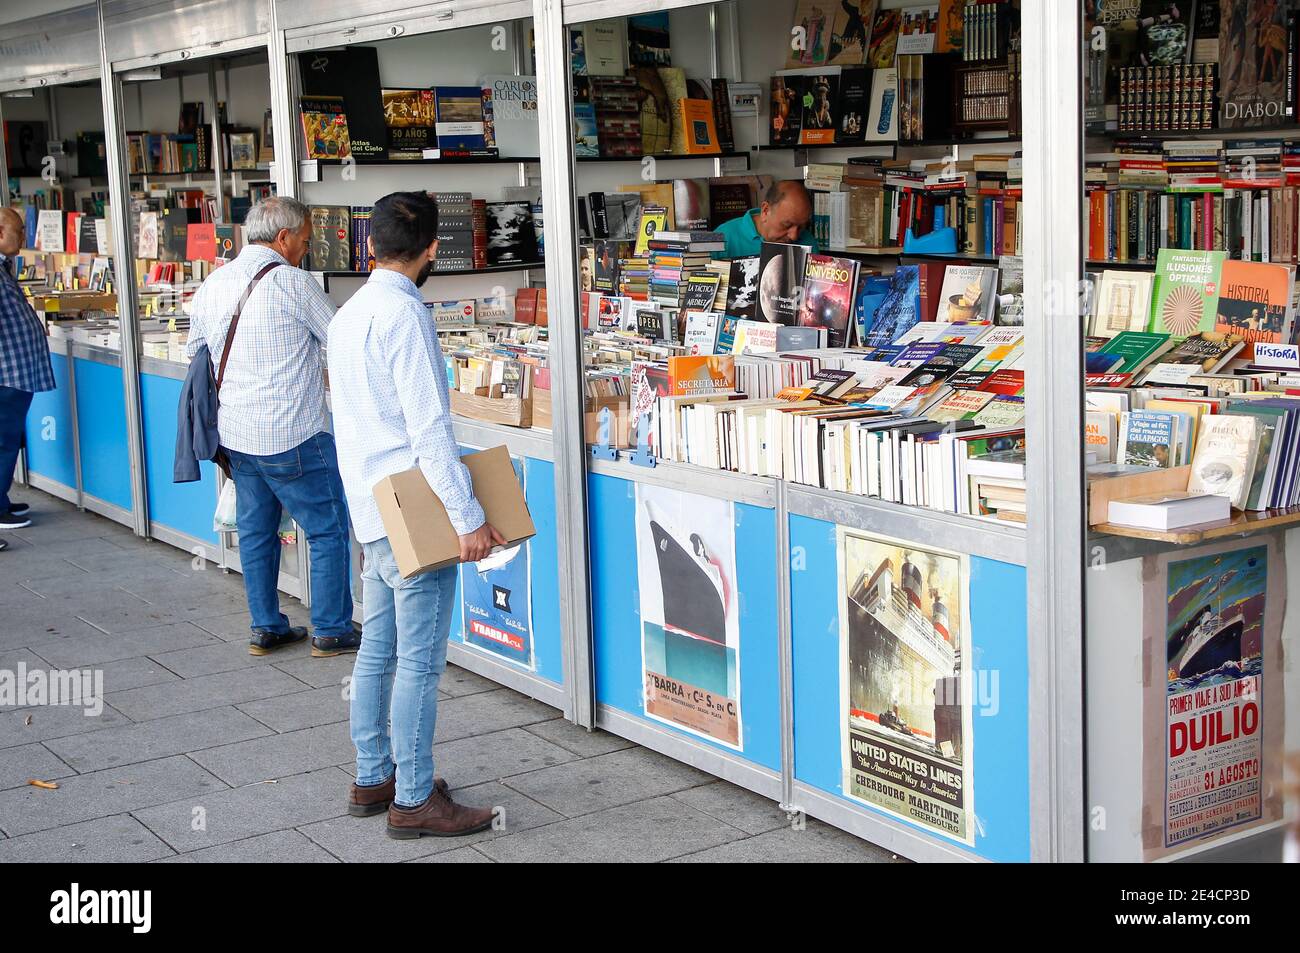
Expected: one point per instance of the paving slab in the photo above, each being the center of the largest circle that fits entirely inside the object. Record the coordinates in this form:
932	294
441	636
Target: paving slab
93	647
20	764
594	784
752	813
467	715
462	855
216	656
102	793
316	672
304	709
206	691
645	832
817	843
501	754
234	814
106	840
44	722
583	743
364	839
278	755
277	847
457	681
148	740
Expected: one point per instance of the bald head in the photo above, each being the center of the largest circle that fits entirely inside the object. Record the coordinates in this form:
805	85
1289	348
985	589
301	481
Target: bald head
11	231
786	211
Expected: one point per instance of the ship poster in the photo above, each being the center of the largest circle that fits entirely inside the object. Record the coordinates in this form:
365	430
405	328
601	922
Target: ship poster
1214	662
1213	702
497	601
904	681
690	619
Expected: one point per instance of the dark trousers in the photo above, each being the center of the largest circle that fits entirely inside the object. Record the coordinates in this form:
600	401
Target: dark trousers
13	427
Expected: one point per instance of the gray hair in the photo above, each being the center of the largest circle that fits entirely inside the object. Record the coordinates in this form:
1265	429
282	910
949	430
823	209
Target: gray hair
266	218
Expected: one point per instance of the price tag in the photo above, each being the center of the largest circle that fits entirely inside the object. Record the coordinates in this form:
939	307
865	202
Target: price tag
309	170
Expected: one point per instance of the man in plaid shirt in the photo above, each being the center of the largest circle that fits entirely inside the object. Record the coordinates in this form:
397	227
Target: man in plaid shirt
274	427
24	366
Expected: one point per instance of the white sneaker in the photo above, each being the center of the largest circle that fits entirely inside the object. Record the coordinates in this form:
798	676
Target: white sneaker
10	521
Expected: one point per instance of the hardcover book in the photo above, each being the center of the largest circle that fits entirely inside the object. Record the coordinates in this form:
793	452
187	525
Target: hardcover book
883	45
786	111
780	282
1253	302
854	106
511	238
1254	58
742	287
827	302
817	123
1123	302
324	127
331	238
1224	461
882	119
514	113
900	310
352	74
968	294
1187	291
1148	439
459	125
411	116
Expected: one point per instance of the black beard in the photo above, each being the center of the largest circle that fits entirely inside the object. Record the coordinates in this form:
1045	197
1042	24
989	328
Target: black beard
423	276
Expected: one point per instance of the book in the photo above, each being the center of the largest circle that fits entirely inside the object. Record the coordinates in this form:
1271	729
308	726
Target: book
702	329
586	141
653	218
1148	439
1187	291
918	30
605	47
854	105
459	125
648	41
700	291
882	118
1123	302
324	127
691	204
780	282
828	287
817	121
968	294
1253	302
511	238
742	287
899	311
1168	510
411	116
352	74
883	45
1224	460
786	110
1254	40
700	134
514	113
1138	348
701	374
331	238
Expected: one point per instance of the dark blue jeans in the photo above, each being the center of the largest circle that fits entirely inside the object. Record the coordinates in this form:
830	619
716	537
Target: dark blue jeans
304	481
13	426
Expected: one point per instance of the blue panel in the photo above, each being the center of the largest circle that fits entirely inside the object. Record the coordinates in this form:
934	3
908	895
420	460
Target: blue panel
617	623
50	436
999	640
548	633
101	429
184	507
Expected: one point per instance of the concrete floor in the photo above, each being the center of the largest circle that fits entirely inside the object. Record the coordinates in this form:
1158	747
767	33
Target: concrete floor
203	752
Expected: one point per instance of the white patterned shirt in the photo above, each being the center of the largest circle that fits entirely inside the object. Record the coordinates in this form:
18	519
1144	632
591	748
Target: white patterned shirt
392	413
273	395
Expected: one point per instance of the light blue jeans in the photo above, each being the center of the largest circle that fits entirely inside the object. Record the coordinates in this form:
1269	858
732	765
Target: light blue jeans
395	680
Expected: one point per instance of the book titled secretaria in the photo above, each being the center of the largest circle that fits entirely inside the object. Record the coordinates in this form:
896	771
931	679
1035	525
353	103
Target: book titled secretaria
1187	291
1224	461
828	287
701	374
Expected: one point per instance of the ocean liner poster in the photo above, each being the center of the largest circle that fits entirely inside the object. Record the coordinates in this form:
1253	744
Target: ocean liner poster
905	706
1213	710
690	624
497	600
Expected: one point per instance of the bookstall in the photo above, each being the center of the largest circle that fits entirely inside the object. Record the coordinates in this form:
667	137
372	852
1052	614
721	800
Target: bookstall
857	515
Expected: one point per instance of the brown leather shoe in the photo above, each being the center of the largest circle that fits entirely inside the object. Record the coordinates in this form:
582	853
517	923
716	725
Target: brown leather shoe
439	816
367	801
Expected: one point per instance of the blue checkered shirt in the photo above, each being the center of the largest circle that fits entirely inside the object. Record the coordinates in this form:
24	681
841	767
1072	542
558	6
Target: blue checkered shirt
392	412
24	352
273	395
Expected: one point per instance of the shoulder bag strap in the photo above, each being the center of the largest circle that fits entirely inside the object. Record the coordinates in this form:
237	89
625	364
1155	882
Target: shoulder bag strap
234	321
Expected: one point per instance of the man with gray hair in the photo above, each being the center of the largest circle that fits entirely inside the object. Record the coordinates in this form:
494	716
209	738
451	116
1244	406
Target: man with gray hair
273	424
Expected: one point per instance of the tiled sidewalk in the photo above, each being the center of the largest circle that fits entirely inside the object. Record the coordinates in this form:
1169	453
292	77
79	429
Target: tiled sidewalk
203	752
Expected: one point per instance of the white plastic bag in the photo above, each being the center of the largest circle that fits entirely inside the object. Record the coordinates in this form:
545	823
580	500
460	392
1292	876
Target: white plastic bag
223	520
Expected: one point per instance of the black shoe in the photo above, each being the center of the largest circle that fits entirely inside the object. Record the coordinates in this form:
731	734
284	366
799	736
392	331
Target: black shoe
327	646
3	545
265	641
19	509
12	520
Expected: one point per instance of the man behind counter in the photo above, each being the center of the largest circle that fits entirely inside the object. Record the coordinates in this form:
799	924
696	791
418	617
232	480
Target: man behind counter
784	216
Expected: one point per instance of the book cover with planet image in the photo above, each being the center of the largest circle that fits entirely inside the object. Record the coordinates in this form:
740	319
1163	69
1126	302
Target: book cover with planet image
780	282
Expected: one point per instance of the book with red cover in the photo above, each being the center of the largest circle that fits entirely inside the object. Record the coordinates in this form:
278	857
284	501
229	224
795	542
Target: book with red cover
201	242
701	374
1006	383
931	288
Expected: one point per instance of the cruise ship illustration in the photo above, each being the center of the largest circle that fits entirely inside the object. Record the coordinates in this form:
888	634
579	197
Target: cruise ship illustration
902	648
1207	640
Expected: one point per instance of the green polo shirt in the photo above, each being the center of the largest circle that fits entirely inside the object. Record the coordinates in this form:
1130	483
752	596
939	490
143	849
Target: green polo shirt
743	240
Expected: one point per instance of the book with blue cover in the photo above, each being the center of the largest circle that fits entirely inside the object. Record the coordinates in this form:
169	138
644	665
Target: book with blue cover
900	310
1148	439
459	125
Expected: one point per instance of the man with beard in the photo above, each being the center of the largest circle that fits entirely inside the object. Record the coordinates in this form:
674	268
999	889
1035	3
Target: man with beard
391	414
273	424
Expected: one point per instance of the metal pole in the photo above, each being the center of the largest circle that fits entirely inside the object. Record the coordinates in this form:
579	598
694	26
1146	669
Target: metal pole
52	109
119	191
285	165
217	150
1051	37
555	124
785	647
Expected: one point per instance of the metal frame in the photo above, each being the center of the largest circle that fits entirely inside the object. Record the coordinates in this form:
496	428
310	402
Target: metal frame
1051	39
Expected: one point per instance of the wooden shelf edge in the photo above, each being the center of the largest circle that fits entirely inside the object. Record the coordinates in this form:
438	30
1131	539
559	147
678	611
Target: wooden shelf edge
1242	523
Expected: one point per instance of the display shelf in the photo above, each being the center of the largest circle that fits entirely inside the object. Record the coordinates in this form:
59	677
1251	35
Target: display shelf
1242	523
515	160
1217	132
1132	265
761	147
1002	140
864	252
489	270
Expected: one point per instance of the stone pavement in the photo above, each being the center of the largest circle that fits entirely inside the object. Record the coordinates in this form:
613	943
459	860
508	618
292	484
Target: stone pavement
203	752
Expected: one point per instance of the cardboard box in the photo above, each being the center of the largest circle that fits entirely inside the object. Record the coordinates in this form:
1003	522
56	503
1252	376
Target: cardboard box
417	524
